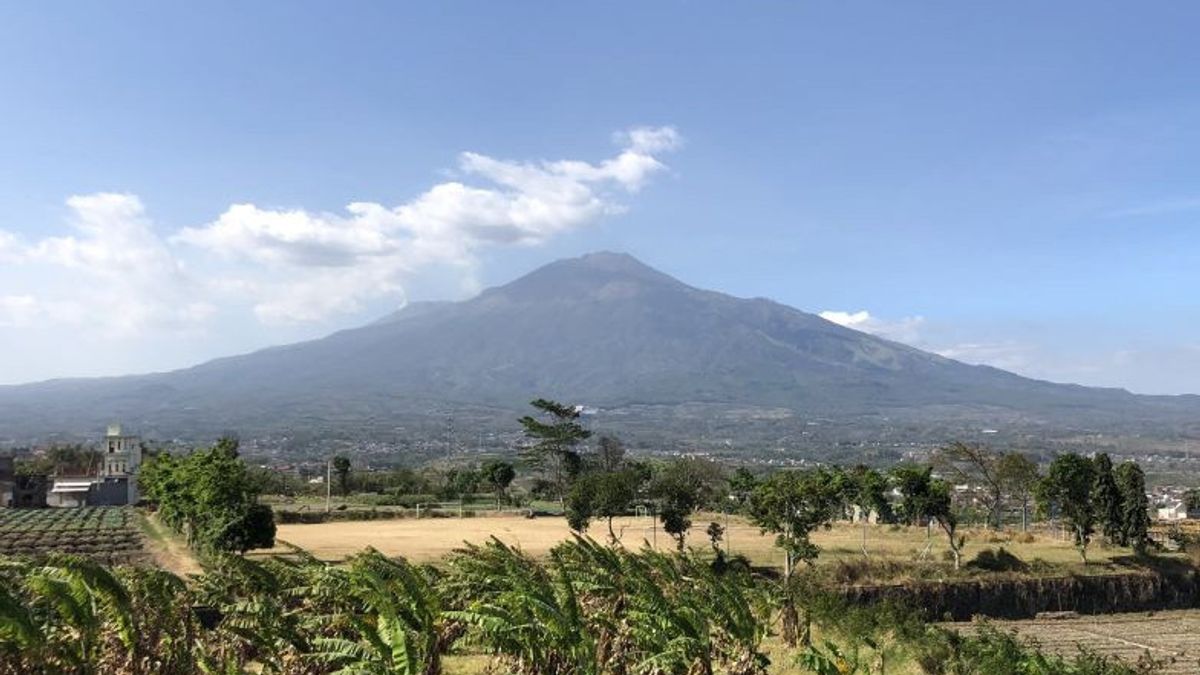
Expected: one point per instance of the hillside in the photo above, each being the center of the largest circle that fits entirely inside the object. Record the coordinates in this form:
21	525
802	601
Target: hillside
603	330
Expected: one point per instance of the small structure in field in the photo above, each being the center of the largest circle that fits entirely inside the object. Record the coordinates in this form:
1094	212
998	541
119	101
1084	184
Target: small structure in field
1174	510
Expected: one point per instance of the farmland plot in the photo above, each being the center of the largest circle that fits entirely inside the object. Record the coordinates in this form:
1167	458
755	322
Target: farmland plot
106	533
1163	635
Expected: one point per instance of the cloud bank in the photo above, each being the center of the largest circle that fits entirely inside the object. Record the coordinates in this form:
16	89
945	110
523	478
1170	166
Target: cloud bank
296	265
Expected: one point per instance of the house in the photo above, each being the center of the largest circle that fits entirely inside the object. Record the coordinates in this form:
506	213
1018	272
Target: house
116	482
1173	510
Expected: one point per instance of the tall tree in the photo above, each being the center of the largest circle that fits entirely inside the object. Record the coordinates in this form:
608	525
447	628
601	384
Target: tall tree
1018	475
679	488
941	510
914	483
341	467
610	454
553	440
790	505
498	474
924	497
1067	490
1135	507
1106	499
978	466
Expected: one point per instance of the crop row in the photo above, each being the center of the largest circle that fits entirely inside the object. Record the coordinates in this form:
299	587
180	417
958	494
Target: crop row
108	534
86	518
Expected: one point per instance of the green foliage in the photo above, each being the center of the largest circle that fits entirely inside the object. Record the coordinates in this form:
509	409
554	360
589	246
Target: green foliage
210	497
791	504
498	475
867	489
601	495
341	467
588	609
1134	526
1106	499
1018	477
915	484
1067	490
679	489
553	442
60	460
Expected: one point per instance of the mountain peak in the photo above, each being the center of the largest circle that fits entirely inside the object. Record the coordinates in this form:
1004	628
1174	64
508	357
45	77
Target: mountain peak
586	275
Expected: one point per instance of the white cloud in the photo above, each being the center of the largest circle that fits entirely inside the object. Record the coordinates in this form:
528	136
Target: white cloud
311	265
17	310
1004	355
114	274
117	272
906	329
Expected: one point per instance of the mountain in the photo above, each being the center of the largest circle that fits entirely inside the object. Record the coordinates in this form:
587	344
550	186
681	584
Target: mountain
662	360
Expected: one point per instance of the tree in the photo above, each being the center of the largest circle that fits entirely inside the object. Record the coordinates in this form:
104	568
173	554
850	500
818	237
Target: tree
1135	507
1018	475
210	497
341	466
941	510
1067	490
1106	499
741	484
927	498
975	465
790	505
914	483
1191	500
553	442
498	474
680	488
866	489
600	495
610	454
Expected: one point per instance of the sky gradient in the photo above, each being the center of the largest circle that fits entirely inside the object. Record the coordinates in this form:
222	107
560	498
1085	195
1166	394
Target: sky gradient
1012	185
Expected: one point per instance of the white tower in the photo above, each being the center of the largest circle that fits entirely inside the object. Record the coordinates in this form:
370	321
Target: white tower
122	453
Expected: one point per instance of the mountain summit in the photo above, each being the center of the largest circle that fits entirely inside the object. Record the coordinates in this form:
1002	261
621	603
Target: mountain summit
604	330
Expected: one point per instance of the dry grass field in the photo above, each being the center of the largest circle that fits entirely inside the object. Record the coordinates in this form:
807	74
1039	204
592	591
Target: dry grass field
432	538
1164	635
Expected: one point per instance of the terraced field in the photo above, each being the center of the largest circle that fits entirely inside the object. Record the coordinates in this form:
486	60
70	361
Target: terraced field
106	533
1169	636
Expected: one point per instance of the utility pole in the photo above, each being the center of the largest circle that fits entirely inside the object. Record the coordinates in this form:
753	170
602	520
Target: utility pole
328	484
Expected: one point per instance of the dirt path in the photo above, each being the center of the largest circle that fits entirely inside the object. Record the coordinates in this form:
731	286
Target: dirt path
167	549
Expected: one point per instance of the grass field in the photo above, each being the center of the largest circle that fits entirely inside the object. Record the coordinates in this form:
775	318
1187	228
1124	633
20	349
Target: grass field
430	539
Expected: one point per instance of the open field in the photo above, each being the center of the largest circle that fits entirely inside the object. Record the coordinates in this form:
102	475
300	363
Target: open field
1164	635
429	539
107	533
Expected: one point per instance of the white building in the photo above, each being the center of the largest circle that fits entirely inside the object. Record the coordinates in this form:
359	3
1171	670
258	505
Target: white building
116	482
1174	510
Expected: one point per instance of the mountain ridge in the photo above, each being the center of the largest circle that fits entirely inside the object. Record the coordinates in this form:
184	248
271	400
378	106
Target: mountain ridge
605	330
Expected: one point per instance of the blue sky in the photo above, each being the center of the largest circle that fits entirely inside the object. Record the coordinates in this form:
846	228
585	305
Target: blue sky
1015	185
